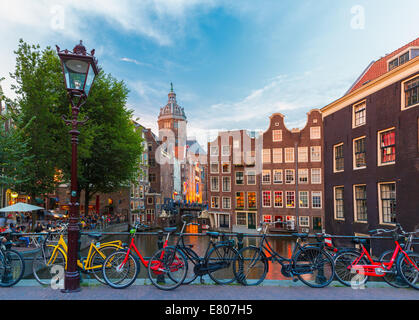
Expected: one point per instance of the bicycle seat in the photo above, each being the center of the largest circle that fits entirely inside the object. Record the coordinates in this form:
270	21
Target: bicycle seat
95	236
213	234
359	241
170	229
300	235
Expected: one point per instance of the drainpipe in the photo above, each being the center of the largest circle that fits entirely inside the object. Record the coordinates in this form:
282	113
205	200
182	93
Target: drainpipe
296	187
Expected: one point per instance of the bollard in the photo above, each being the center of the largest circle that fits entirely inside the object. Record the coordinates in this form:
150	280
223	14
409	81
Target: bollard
160	277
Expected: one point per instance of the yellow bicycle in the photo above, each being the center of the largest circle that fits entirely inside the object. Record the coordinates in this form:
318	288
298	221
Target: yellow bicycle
51	257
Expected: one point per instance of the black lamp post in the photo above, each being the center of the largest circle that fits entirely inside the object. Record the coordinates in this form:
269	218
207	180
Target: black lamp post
79	70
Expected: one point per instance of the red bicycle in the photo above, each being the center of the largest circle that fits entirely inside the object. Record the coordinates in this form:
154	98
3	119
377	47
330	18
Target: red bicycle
167	268
354	267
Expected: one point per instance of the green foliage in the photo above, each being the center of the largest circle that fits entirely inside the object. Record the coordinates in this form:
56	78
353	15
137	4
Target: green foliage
109	149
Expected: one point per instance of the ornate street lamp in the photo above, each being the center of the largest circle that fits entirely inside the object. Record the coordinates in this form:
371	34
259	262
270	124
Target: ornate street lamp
79	70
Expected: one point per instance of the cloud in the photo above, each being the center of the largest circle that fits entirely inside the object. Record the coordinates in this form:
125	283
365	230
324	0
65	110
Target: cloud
139	63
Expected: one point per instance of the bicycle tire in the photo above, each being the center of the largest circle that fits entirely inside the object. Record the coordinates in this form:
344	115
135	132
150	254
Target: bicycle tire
221	255
408	271
314	267
96	261
41	269
167	268
393	278
193	260
250	266
118	275
343	274
17	267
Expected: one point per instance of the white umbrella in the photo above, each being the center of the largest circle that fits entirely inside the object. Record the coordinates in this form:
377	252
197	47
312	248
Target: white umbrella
20	207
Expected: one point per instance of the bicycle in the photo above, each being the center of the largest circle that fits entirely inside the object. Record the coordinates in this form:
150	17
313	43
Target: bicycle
217	261
12	265
360	262
121	268
56	255
310	264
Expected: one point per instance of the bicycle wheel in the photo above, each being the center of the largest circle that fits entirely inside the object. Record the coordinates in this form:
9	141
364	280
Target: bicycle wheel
391	276
409	270
96	261
219	263
343	271
250	266
314	267
12	268
120	269
193	260
42	264
167	268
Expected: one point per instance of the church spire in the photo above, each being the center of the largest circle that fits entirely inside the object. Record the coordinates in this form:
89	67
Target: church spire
171	87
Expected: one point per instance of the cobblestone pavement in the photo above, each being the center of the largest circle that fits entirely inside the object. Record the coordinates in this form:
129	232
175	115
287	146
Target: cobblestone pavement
28	290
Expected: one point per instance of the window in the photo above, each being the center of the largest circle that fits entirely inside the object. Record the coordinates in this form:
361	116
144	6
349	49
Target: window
239	199
304	221
266	158
316	199
338	158
339	208
277	155
251	177
302	154
267	218
316	155
251	200
266	199
214	151
359	114
387	149
387	200
226	203
226	167
149	200
249	157
266	176
278	199
152	177
404	58
239	177
290	198
316	176
303	199
289	176
360	194
359	153
303	176
411	92
276	135
393	63
315	133
226	184
214	167
236	144
215	202
398	61
289	155
277	176
241	218
225	150
214	184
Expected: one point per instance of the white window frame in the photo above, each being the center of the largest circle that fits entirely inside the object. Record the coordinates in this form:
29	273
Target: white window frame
403	98
307	219
289	155
380	202
275	134
353	153
218	184
312	199
281	174
266	156
355	206
303	172
302	154
354	107
214	151
263	199
282	196
315	133
334	203
379	158
229	183
218	201
293	176
313	151
334	158
277	155
247	199
247	176
222	167
264	173
313	181
299	199
229	203
286	199
223	148
218	167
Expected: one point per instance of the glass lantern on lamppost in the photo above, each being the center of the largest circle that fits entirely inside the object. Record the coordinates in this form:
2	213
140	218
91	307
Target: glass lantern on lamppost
79	70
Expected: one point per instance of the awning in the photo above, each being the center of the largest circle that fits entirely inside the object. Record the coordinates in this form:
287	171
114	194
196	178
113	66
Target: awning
21	207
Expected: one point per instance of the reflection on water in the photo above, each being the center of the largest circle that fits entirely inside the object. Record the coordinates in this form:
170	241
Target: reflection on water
147	245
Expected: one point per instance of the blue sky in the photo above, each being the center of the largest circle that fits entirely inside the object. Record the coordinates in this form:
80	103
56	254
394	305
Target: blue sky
232	62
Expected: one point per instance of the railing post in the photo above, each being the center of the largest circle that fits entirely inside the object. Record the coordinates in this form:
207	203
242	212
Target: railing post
160	277
240	241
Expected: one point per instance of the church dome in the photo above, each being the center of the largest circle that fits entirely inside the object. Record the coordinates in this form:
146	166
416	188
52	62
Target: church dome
172	109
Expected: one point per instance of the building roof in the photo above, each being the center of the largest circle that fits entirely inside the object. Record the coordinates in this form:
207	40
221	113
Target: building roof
172	109
377	68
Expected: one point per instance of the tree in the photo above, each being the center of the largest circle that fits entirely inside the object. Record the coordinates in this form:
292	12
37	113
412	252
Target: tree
109	149
115	148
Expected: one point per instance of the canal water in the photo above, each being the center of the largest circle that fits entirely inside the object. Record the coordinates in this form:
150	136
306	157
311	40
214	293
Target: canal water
147	245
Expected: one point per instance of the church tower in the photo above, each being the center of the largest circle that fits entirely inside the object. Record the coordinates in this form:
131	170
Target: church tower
172	125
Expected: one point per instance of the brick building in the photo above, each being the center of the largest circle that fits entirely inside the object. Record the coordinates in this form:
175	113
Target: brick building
371	148
253	178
